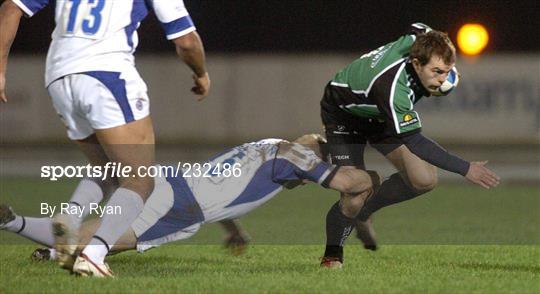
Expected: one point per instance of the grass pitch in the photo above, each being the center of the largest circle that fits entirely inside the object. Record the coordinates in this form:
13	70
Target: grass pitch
456	239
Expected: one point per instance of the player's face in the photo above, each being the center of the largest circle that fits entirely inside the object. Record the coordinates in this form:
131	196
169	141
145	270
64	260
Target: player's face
434	73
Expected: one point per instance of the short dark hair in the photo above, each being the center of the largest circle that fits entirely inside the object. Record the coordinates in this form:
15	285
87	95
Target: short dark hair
433	43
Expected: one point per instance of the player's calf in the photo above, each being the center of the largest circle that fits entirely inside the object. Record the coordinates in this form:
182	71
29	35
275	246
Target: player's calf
66	239
366	234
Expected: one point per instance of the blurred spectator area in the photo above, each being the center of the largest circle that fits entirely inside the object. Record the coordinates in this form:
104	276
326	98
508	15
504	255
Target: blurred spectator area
494	114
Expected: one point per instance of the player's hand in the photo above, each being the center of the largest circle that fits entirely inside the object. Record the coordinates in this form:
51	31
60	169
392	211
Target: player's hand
481	175
3	96
237	243
202	86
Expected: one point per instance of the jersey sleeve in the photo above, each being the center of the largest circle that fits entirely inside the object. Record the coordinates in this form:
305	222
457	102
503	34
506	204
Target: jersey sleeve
395	102
297	162
30	7
174	17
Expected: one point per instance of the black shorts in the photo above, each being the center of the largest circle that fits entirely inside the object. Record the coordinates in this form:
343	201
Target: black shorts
348	135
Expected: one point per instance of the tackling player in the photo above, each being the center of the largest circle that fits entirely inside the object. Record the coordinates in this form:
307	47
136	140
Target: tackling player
102	100
372	100
179	205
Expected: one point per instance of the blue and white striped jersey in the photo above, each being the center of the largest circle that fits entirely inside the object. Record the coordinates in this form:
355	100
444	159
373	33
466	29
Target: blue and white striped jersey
264	167
101	35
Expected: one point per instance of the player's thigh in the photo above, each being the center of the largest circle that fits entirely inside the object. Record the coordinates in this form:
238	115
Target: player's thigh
92	150
168	215
96	156
117	106
344	148
420	174
131	144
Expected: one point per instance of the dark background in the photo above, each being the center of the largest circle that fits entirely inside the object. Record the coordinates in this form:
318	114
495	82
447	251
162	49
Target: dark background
322	25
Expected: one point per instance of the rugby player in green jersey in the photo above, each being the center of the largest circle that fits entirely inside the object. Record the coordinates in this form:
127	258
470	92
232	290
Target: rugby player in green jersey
372	101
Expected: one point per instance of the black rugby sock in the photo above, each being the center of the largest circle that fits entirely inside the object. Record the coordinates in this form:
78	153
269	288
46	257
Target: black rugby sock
393	190
338	228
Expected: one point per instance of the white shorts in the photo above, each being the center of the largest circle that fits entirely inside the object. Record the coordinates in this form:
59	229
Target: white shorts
96	100
171	213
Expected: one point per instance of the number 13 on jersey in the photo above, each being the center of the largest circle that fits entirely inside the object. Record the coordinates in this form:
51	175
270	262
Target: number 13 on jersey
86	18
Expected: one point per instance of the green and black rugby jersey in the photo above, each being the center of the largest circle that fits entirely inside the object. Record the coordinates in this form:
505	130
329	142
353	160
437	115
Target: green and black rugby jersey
381	85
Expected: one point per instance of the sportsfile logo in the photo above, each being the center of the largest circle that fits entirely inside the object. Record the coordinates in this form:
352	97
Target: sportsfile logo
119	170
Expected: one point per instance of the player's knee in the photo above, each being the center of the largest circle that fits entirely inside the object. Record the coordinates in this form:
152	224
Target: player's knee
141	185
352	204
108	186
424	182
356	181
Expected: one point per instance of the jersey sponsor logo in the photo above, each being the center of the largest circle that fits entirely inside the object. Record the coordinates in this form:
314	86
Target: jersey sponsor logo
341	130
408	119
341	157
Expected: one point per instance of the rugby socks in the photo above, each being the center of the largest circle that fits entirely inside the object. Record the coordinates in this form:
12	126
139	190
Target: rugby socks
338	228
393	190
114	225
36	229
52	253
87	192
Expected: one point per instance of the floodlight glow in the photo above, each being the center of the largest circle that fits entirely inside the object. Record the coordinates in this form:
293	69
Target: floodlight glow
472	38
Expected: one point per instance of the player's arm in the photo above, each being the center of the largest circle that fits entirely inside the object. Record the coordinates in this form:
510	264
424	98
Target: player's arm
433	153
305	165
180	29
403	126
10	15
237	238
190	49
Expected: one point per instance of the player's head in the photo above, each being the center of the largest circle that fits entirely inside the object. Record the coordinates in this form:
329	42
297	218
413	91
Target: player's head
433	55
308	141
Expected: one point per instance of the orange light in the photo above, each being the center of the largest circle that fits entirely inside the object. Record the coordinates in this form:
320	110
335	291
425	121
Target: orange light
472	38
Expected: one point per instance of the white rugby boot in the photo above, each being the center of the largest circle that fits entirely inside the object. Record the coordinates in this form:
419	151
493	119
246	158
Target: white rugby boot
331	262
85	267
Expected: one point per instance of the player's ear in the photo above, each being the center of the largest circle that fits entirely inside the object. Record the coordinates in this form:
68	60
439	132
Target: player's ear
416	64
